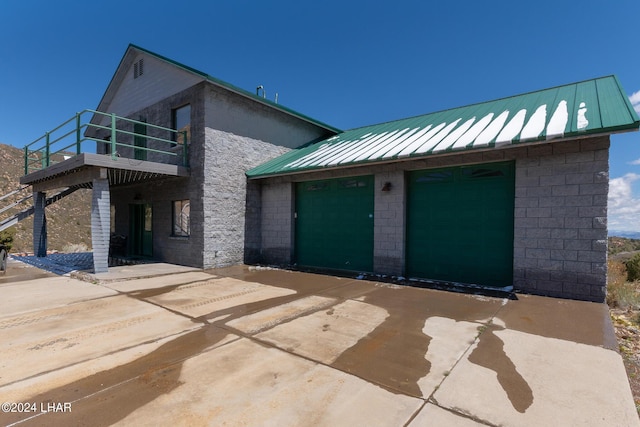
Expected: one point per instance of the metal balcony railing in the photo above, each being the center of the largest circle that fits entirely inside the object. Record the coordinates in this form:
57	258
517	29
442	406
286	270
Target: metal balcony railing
111	135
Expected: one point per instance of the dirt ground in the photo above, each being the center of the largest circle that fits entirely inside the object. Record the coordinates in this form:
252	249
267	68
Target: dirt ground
625	323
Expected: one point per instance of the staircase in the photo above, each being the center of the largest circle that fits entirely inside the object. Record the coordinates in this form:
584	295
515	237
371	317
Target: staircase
21	199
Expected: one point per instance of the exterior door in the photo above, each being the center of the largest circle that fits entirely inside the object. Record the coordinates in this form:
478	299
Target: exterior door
460	224
334	223
141	230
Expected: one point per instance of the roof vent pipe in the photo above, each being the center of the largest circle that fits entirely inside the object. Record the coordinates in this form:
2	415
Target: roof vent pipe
261	88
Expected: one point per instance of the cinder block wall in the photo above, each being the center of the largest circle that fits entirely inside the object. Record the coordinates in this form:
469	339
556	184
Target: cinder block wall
389	223
560	227
560	224
277	223
162	192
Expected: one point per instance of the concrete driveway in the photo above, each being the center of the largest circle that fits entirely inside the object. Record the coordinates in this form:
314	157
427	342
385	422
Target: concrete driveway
245	346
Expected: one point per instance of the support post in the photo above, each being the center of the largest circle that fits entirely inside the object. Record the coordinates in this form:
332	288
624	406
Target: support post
114	145
47	153
78	135
39	224
26	160
100	222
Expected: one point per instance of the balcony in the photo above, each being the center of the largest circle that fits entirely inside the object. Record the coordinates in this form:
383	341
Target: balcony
92	144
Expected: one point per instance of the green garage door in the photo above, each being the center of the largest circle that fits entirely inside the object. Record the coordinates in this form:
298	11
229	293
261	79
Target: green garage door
460	224
334	223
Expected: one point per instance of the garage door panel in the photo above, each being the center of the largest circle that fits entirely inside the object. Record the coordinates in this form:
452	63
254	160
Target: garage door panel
334	223
466	213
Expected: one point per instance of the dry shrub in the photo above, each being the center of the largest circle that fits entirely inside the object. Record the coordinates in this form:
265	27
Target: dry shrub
633	268
620	292
73	248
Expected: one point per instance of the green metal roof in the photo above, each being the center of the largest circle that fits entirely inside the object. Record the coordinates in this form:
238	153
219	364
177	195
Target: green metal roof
597	106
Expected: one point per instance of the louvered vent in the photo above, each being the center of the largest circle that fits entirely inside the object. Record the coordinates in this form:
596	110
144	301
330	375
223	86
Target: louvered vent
138	68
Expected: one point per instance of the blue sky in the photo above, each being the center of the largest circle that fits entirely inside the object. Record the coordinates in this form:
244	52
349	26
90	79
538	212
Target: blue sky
347	63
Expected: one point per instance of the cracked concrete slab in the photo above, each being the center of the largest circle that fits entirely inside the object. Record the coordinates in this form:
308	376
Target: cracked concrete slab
514	378
247	346
278	389
432	415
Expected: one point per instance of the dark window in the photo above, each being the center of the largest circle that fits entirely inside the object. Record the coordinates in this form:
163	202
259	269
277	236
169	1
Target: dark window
436	176
182	123
181	218
482	172
317	186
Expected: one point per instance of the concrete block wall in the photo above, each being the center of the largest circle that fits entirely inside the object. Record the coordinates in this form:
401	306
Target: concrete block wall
253	223
389	223
100	224
560	220
229	135
277	223
162	192
560	227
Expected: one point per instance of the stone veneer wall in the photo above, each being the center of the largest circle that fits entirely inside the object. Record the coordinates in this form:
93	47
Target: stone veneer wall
228	157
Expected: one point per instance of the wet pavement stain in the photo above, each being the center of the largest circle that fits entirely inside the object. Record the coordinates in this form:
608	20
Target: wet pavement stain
393	355
125	388
130	386
490	354
578	321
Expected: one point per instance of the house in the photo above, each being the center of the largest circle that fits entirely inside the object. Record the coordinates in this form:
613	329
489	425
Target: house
176	196
194	171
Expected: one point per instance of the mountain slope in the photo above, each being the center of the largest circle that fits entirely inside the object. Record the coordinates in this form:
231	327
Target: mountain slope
68	220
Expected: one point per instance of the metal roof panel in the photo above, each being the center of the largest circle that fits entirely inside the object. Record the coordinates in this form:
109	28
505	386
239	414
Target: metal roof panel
597	106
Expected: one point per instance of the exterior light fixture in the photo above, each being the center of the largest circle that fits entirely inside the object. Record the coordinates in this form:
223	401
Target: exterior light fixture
386	186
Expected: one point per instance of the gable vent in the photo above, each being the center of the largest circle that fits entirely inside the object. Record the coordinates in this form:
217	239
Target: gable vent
138	68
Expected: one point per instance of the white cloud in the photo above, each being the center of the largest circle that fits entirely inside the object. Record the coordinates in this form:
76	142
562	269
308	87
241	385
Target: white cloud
624	209
635	162
635	101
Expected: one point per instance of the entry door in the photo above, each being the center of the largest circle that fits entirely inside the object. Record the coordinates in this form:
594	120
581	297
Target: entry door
141	231
334	223
460	224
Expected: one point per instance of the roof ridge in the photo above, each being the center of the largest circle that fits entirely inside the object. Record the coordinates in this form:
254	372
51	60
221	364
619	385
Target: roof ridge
487	102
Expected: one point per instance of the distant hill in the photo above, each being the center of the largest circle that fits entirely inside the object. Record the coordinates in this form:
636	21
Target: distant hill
627	234
618	245
68	220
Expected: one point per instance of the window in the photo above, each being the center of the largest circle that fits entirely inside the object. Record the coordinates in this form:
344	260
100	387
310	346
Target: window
182	123
181	218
